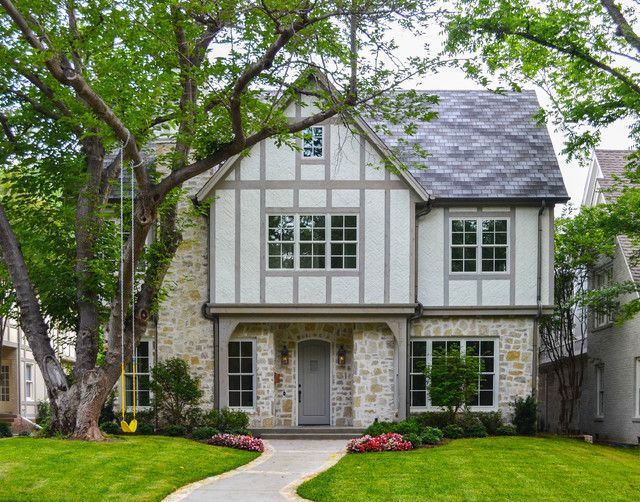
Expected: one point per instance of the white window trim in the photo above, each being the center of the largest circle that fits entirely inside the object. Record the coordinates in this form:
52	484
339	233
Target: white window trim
478	245
496	371
29	383
323	143
327	243
151	365
6	382
248	409
600	390
601	321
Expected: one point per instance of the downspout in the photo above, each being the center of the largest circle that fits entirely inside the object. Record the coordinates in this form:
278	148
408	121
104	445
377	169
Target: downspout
419	308
211	317
536	320
18	372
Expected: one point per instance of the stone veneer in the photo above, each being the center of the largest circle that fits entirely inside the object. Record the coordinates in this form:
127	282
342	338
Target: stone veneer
374	374
276	404
182	330
515	348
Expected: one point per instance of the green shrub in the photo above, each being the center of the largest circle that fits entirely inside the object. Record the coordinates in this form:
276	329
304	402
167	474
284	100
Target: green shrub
414	439
5	430
175	390
227	421
377	428
203	432
43	414
431	435
472	426
453	431
408	426
145	428
491	420
439	419
175	430
525	415
110	428
506	430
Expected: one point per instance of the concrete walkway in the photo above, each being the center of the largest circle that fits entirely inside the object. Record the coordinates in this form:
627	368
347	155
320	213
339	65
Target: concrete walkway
274	476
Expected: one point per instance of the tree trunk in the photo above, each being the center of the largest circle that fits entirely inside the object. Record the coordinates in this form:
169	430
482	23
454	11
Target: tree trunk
76	412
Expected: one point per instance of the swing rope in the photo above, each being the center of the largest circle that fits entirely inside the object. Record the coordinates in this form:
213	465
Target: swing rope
132	426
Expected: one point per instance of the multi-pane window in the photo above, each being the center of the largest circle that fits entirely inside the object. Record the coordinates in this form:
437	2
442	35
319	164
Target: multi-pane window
479	245
241	374
494	245
601	280
600	391
4	383
281	241
464	240
313	241
344	241
424	352
143	377
28	381
313	142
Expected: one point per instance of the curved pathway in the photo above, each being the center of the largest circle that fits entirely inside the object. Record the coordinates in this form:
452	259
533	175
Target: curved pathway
274	476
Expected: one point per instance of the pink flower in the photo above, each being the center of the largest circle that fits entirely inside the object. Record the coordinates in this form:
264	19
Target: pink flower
385	442
237	441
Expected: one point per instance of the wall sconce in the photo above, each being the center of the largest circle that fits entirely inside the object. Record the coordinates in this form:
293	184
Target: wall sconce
284	356
342	356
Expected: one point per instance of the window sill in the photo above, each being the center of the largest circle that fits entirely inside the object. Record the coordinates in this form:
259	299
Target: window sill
599	419
430	409
635	420
602	328
242	408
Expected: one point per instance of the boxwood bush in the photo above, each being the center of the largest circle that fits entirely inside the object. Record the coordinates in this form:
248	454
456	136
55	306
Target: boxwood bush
453	431
431	435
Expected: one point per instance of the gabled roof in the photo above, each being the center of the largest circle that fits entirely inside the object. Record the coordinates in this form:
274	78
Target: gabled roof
612	164
484	145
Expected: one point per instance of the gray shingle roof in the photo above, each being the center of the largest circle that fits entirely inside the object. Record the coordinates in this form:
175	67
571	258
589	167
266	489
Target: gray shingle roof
612	164
484	145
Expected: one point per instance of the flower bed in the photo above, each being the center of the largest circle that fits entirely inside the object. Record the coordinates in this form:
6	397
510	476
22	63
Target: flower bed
384	442
236	441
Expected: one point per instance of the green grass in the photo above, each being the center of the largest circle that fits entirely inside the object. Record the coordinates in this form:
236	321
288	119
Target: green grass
490	469
139	468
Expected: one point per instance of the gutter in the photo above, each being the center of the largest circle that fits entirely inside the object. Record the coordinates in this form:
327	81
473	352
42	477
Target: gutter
419	308
536	320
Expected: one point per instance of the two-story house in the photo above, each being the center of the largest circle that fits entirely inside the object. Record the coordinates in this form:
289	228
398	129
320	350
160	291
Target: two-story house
320	283
610	402
22	385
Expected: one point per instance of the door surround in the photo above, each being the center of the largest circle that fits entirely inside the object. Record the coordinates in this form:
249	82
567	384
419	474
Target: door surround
297	405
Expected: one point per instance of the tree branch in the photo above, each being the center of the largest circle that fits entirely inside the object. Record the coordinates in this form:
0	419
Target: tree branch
624	29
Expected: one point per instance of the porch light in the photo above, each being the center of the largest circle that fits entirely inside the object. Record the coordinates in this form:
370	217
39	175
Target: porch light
284	356
342	356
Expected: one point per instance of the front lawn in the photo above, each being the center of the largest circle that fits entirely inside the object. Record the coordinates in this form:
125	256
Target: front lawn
136	468
488	469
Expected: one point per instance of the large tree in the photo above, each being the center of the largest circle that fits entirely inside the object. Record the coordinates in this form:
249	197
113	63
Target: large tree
83	79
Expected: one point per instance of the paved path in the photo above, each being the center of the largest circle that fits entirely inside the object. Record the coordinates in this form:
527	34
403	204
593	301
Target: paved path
274	476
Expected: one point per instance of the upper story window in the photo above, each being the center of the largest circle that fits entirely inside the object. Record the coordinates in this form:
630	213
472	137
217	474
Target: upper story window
313	142
637	387
479	244
601	279
312	241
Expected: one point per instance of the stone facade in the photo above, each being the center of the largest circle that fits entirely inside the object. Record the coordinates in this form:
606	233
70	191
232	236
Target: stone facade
515	348
182	331
276	404
374	380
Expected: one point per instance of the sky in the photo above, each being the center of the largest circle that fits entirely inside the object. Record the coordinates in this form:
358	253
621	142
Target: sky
614	137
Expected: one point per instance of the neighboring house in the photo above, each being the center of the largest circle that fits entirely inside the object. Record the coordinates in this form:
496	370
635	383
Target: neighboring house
320	283
22	386
610	404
